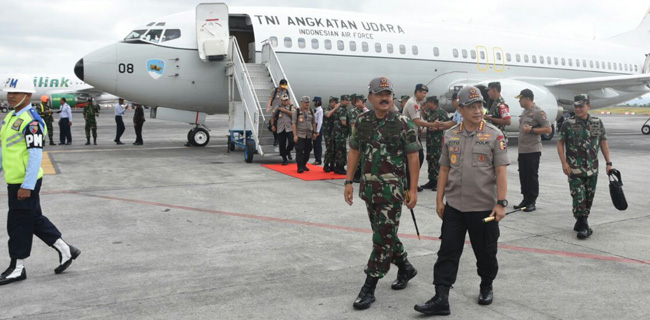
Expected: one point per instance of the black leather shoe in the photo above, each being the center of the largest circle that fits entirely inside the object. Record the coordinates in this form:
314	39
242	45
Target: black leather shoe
367	295
119	142
438	305
326	168
406	272
485	296
305	168
52	143
4	280
289	156
284	162
340	171
522	204
61	144
429	185
530	207
317	163
301	170
74	252
88	142
420	189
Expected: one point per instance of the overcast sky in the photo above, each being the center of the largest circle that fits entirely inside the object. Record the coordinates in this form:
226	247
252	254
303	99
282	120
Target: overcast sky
50	36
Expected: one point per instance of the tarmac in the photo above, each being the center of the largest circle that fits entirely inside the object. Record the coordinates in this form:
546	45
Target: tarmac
174	232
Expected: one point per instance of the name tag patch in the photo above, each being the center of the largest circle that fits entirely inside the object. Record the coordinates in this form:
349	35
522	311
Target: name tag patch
17	124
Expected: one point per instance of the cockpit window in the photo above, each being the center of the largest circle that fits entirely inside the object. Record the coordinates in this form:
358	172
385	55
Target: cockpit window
135	35
153	35
150	24
160	24
171	34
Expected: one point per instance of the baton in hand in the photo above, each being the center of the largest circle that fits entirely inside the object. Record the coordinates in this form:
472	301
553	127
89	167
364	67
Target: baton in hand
413	216
490	219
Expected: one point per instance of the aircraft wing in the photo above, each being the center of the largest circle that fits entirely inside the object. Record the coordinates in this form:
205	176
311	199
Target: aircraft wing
629	83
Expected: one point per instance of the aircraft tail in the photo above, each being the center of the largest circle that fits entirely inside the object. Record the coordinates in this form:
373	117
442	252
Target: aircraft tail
639	37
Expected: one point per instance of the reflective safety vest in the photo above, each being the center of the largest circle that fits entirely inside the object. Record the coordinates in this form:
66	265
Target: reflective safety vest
14	146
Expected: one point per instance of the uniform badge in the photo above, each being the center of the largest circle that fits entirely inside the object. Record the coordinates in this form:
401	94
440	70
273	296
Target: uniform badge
454	159
416	107
16	125
481	158
502	145
543	115
33	128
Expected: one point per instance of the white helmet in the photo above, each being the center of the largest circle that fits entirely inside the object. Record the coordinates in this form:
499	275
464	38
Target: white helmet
19	83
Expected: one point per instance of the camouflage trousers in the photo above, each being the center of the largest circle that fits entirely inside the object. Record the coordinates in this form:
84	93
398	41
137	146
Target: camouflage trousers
433	160
329	149
386	246
91	126
340	151
50	130
583	190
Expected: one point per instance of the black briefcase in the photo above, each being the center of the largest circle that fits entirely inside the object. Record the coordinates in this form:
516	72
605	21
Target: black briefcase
616	190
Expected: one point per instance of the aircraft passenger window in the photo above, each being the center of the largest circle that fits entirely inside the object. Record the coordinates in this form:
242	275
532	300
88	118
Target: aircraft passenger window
287	42
153	35
626	67
455	53
364	46
498	56
389	48
171	34
302	43
378	47
526	58
636	68
436	51
473	53
402	49
414	49
570	62
534	59
548	60
340	45
541	59
328	44
353	46
563	62
555	60
464	54
578	63
314	43
584	63
615	66
518	57
274	42
620	66
508	57
482	55
135	35
591	64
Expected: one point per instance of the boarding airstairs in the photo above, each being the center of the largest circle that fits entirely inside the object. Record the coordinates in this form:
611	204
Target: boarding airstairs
249	88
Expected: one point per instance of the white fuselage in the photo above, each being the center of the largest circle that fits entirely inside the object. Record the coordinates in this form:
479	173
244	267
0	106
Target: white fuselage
330	53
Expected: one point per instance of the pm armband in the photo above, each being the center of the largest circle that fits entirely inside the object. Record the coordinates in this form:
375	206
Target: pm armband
34	136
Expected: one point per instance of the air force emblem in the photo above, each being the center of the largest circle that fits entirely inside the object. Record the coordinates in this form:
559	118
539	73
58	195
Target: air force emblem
156	68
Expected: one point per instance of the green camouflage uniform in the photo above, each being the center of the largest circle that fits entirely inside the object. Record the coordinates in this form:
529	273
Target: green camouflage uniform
500	109
328	125
340	137
42	110
90	113
383	144
582	142
434	140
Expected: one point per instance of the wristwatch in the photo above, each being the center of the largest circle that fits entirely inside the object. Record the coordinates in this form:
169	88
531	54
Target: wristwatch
503	203
608	164
347	182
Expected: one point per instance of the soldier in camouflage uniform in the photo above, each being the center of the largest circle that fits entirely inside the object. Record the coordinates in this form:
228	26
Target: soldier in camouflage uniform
90	114
45	111
341	135
359	107
381	142
499	113
433	114
581	136
328	127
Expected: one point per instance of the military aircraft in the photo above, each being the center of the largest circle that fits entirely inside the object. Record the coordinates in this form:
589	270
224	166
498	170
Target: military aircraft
328	53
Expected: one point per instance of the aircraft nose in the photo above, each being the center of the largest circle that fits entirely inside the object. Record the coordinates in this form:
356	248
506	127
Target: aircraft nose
79	69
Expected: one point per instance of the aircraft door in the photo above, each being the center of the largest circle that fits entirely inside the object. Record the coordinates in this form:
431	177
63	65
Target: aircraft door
646	64
212	31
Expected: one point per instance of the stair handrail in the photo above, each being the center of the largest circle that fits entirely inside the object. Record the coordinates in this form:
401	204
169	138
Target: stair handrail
270	59
245	86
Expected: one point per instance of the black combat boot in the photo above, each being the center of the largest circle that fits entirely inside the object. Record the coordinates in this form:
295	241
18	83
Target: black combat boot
584	231
522	204
87	141
95	140
406	272
326	168
52	142
340	170
438	305
67	253
367	295
530	206
15	272
432	184
486	295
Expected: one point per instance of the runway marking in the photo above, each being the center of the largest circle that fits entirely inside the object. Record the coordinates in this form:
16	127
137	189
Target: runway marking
48	164
361	230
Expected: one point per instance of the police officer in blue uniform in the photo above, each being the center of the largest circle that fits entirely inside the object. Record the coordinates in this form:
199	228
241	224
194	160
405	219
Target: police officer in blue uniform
22	137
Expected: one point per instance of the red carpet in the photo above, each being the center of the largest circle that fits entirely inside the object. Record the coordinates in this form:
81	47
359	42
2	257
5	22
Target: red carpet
314	173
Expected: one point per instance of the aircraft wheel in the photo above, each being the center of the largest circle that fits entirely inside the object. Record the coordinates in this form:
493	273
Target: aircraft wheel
249	151
645	129
199	137
231	144
549	136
